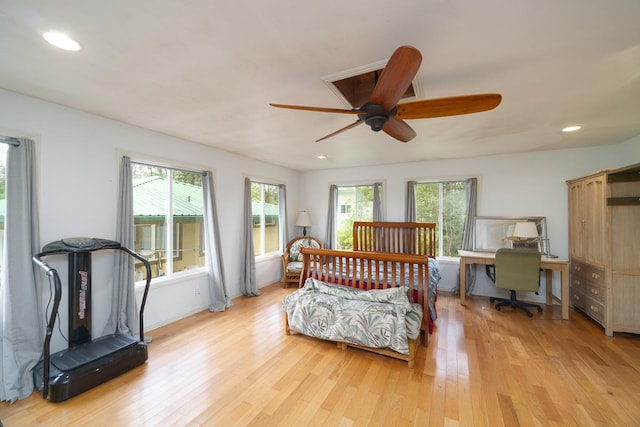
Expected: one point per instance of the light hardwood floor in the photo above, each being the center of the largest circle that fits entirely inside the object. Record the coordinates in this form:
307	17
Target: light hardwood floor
482	368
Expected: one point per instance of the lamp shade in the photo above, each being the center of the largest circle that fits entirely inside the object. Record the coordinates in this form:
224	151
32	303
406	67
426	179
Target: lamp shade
304	219
526	230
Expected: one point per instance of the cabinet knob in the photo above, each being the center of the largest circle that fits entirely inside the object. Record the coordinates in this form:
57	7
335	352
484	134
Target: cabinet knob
594	308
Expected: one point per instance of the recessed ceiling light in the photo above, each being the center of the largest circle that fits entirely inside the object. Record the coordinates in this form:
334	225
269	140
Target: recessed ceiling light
322	157
61	40
571	128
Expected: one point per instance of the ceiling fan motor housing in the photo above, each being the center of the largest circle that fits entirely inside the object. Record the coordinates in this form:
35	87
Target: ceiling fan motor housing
375	116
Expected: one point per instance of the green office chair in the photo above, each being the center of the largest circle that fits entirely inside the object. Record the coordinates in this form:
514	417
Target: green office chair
517	270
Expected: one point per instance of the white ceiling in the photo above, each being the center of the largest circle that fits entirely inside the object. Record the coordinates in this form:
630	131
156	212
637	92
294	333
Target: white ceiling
206	71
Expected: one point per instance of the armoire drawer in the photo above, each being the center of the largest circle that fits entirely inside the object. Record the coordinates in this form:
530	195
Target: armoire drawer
577	299
589	280
578	269
595	291
594	309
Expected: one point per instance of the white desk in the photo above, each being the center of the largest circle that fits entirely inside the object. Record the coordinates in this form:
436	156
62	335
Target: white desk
549	265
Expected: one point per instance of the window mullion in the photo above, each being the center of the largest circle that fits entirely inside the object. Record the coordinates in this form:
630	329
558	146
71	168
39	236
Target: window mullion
169	221
440	217
263	220
357	204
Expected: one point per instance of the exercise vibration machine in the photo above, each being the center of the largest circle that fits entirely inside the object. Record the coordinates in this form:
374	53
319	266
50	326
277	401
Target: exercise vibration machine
87	362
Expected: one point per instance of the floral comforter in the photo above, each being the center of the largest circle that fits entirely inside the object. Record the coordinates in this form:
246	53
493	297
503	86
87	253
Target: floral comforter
380	318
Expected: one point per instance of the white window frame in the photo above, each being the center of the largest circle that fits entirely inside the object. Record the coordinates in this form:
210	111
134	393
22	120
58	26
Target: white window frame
439	228
169	223
276	253
349	208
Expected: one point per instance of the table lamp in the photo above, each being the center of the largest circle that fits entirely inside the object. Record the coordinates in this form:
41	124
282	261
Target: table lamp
525	235
525	231
304	221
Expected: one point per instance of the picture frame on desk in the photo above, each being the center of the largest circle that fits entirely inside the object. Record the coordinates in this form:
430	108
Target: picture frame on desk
541	245
524	244
492	232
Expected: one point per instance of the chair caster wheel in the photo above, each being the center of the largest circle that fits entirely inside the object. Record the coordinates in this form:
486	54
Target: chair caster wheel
539	309
529	314
498	308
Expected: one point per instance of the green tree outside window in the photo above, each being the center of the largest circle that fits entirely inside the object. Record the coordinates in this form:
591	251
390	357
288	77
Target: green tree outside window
445	204
355	203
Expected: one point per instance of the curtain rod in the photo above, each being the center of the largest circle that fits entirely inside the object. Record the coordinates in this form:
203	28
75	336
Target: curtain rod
264	183
10	140
156	165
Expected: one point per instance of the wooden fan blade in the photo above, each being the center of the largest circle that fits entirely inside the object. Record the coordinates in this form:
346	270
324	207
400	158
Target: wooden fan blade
320	109
352	125
452	106
396	77
399	129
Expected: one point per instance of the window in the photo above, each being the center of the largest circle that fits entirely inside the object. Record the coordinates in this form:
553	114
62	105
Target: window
445	204
168	216
355	203
265	210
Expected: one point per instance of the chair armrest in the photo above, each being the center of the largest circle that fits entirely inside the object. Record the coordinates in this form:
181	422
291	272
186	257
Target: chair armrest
285	260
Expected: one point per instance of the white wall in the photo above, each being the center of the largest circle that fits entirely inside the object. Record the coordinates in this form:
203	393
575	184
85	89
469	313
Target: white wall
78	176
529	184
79	157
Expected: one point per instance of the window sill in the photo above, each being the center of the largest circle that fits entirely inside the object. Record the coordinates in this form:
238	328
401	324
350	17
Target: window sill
448	260
159	282
268	257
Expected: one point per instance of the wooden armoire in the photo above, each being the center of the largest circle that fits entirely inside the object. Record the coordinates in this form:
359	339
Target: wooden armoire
604	247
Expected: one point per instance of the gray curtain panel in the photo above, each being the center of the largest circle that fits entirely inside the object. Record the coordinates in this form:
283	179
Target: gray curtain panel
377	202
330	236
248	267
123	318
467	238
217	289
410	207
21	313
282	206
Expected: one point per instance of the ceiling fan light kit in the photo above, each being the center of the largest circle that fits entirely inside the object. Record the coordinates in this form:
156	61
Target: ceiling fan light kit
384	113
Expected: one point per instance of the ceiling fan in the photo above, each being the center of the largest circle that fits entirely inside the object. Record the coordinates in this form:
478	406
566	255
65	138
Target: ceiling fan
382	111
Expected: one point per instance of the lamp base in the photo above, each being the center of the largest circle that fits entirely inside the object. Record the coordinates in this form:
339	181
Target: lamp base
304	231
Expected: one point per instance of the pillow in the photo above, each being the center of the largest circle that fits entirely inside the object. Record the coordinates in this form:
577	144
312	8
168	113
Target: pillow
294	250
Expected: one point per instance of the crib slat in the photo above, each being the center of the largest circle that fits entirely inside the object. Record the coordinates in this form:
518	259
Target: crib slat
395	237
